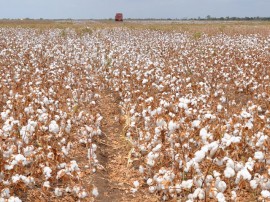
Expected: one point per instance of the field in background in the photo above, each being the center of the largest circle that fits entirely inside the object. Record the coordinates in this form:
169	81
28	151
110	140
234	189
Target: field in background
139	110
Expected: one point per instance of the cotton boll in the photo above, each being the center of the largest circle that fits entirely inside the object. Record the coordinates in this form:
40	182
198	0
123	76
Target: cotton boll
245	114
265	194
259	155
58	191
187	184
157	148
196	123
149	181
178	188
234	195
199	156
95	192
220	197
203	133
14	199
141	169
221	186
5	193
199	193
46	184
253	184
82	194
53	127
229	172
47	172
219	108
136	184
152	189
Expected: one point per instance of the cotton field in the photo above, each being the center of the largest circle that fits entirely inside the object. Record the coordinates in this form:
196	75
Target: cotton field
197	105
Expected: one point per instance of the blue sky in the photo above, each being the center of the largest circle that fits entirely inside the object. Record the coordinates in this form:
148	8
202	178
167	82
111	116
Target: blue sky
97	9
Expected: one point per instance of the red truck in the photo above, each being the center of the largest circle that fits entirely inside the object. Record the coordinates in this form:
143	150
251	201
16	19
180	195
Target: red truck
119	17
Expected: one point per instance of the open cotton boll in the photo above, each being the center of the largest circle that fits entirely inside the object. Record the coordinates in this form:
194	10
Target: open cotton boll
173	126
5	193
229	172
95	192
265	194
221	186
219	108
152	189
196	123
259	155
243	173
204	135
253	184
157	148
149	181
199	193
58	191
136	184
47	172
220	197
46	184
245	114
14	199
199	156
187	184
53	127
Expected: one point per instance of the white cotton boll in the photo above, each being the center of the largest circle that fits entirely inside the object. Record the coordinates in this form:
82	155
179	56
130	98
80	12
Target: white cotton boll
46	184
141	169
136	184
245	114
220	197
230	163
187	184
199	193
203	133
68	128
152	189
199	156
157	148
265	194
47	172
53	127
95	192
14	199
4	115
82	194
219	108
172	126
149	181
221	186
234	195
58	192
5	193
259	155
244	173
68	190
216	174
229	172
178	188
144	81
196	123
253	184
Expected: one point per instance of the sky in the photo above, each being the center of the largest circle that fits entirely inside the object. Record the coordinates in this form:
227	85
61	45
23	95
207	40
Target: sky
104	9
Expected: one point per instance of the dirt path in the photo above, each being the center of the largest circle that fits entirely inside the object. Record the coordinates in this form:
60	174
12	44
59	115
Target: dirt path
116	179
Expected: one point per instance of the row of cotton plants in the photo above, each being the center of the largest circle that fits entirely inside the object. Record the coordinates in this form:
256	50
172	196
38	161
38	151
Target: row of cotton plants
199	111
49	115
